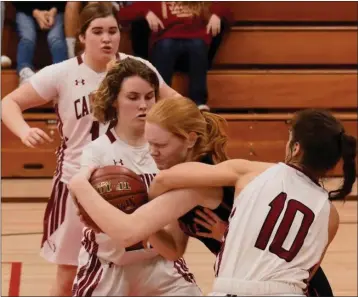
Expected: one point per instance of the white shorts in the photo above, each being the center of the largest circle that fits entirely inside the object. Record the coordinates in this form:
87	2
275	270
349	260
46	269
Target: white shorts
62	228
153	277
231	295
238	287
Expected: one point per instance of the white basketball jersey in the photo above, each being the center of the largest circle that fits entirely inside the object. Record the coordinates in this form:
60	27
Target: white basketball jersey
107	150
70	84
278	230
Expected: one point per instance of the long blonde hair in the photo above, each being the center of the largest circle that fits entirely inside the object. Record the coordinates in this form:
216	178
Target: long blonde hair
181	116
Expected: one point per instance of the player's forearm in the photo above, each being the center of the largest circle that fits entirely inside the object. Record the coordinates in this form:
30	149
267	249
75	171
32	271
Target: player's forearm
191	175
115	223
12	117
125	229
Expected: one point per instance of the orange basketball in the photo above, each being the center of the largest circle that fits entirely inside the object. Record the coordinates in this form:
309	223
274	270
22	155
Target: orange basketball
120	186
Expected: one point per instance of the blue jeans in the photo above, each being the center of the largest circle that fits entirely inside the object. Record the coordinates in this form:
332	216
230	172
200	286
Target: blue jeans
2	16
165	54
27	30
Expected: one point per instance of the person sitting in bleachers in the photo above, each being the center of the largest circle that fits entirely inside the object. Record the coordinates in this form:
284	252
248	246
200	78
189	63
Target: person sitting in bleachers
5	60
183	28
34	16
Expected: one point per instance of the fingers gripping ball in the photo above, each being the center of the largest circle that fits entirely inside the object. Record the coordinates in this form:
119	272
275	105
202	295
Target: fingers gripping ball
119	186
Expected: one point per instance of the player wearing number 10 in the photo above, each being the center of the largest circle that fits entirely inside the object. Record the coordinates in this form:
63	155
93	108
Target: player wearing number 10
282	220
68	85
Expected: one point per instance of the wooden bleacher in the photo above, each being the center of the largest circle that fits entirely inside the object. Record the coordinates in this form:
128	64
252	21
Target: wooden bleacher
277	58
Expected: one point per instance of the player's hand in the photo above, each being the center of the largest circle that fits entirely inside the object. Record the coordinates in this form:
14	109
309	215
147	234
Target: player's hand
214	25
153	21
35	136
209	220
87	223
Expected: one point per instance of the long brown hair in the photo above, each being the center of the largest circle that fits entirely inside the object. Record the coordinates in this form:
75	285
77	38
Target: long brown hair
324	142
107	93
181	116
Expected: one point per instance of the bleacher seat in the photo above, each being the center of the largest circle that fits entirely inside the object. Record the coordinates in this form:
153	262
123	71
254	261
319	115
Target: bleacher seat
277	58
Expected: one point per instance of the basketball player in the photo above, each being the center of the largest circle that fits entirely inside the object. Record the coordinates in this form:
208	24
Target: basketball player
282	221
176	131
168	151
105	269
68	85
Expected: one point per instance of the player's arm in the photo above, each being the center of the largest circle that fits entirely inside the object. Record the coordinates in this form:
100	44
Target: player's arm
333	226
39	91
13	105
128	229
196	174
170	242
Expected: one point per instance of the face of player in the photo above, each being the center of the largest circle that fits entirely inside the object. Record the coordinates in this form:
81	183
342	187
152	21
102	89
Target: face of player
101	39
134	100
166	148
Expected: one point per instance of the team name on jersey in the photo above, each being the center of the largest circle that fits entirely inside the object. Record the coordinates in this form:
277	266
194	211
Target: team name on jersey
82	106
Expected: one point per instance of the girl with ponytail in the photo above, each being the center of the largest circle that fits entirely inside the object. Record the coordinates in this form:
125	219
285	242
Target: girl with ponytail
316	144
177	132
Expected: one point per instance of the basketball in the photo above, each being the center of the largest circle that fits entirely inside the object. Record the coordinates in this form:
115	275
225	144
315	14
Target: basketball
120	186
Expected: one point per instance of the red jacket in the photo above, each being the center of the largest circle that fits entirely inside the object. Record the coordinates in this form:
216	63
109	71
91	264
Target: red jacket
177	22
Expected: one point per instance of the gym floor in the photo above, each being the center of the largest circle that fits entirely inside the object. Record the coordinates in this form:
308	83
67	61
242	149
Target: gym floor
25	273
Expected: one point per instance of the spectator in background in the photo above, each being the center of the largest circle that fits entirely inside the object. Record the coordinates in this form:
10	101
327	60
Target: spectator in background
180	28
72	12
5	60
34	16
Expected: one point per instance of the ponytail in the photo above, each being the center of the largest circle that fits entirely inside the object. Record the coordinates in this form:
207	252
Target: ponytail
349	151
216	139
181	116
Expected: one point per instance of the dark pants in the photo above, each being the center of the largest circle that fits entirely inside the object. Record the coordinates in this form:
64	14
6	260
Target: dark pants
27	28
166	52
140	43
319	285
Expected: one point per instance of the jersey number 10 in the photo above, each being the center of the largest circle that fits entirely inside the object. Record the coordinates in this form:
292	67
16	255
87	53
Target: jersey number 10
277	205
